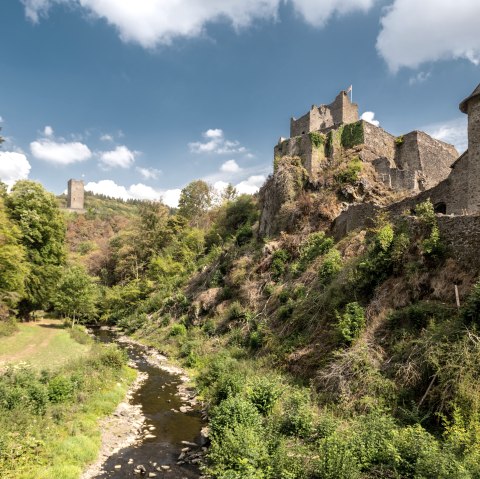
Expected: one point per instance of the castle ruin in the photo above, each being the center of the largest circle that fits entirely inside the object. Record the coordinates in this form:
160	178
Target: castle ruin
410	163
75	195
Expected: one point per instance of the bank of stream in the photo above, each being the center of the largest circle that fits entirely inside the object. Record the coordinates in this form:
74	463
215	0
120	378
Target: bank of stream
170	439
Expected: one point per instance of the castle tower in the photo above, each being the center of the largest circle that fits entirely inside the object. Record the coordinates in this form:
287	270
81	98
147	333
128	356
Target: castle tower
471	106
76	195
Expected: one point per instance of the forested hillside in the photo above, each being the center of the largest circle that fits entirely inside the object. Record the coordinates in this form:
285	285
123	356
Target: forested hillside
315	358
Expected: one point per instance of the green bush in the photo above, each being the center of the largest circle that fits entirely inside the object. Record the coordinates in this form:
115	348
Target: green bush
471	309
263	393
111	356
280	258
240	452
229	384
60	389
315	245
297	415
80	335
336	460
331	265
351	322
178	329
351	173
233	412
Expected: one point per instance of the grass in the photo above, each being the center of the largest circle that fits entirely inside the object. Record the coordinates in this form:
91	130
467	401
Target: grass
43	344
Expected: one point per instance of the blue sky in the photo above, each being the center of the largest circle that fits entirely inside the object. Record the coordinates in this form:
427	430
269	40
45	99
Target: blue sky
139	97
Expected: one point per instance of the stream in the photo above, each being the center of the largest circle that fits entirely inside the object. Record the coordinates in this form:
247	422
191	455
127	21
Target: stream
167	430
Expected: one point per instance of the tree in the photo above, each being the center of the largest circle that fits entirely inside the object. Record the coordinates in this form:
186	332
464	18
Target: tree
13	265
230	193
76	295
35	212
195	200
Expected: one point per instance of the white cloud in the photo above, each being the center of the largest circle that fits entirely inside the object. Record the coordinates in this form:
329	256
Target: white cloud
420	77
230	166
13	166
60	153
251	185
149	173
171	197
154	22
415	32
106	137
144	192
453	132
110	188
369	116
48	131
120	157
216	143
1	119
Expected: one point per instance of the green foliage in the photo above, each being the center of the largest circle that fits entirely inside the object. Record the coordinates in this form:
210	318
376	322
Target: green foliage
263	393
297	416
351	173
336	459
351	322
178	329
80	335
280	258
195	200
352	135
331	265
13	266
317	139
471	309
35	212
316	244
76	295
399	140
232	412
60	389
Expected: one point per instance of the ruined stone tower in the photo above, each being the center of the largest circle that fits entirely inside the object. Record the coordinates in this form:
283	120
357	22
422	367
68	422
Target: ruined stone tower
75	197
471	106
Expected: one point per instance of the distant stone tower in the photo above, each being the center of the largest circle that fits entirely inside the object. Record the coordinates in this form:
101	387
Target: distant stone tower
471	106
76	195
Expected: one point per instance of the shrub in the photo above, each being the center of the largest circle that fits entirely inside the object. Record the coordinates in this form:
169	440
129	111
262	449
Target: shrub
280	259
60	389
351	322
471	309
297	416
178	329
263	393
315	245
111	356
331	265
229	384
240	453
244	235
233	412
255	339
236	312
351	173
336	459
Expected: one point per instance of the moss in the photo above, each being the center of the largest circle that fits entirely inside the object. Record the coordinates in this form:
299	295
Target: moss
317	138
399	140
352	135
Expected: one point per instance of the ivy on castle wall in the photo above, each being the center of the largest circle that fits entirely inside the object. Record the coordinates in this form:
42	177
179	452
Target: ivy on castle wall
352	135
317	139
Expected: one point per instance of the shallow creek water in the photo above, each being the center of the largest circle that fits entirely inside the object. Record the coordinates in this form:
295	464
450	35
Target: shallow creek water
160	405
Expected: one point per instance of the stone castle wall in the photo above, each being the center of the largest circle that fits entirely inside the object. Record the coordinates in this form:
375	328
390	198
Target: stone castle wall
473	203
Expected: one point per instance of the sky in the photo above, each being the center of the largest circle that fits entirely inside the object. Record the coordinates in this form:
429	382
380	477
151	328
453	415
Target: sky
139	97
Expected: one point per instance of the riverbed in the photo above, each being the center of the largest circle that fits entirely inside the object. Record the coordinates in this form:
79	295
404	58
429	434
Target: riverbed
169	441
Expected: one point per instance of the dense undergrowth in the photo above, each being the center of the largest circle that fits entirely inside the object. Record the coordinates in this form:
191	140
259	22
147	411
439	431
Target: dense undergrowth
309	368
49	418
